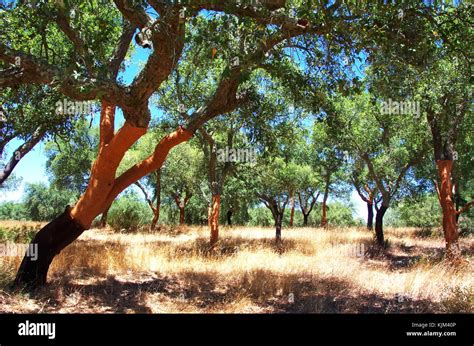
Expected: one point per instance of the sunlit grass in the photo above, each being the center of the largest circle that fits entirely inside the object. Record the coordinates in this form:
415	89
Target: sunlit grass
315	270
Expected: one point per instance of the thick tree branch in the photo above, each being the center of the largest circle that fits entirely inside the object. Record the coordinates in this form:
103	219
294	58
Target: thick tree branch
122	48
134	14
465	208
63	22
19	153
107	121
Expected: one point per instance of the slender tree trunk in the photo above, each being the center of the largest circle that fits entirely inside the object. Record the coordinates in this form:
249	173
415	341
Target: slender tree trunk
156	210
278	221
305	219
229	217
453	250
214	223
181	215
292	210
379	225
156	217
324	220
370	215
103	219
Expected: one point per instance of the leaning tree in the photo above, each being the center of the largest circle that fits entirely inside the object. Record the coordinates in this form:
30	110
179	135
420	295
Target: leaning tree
100	37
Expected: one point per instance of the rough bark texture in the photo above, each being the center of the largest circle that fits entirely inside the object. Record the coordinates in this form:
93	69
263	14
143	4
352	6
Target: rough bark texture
214	219
453	250
51	239
379	225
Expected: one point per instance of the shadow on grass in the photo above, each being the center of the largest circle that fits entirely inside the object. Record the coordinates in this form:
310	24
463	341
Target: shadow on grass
270	292
233	245
402	256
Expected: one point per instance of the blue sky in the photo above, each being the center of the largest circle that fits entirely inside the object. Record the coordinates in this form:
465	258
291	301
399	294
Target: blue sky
32	168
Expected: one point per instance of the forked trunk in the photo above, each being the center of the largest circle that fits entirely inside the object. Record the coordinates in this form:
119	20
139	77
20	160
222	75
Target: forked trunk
370	216
101	191
453	250
214	219
379	225
51	239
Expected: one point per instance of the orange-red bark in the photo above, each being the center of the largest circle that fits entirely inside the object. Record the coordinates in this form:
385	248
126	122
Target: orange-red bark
93	201
214	218
445	188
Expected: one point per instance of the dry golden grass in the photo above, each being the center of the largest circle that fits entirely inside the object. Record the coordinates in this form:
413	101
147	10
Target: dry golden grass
315	271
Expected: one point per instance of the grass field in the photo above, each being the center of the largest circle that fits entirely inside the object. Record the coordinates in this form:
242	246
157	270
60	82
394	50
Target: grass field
315	271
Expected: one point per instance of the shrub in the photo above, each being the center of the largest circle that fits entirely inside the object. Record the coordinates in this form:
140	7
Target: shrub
129	213
13	211
260	216
43	203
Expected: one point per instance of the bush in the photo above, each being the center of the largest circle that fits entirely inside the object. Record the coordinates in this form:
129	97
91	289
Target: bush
13	211
18	234
129	213
43	203
423	212
260	216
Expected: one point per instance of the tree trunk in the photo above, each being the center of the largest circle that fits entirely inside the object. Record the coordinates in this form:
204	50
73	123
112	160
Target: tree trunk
156	210
229	217
214	223
51	239
156	217
379	225
305	219
278	221
292	211
181	215
103	219
453	250
370	216
324	220
102	190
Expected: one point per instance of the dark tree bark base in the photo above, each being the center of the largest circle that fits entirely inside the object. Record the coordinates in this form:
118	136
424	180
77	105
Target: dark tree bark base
379	225
51	239
370	216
